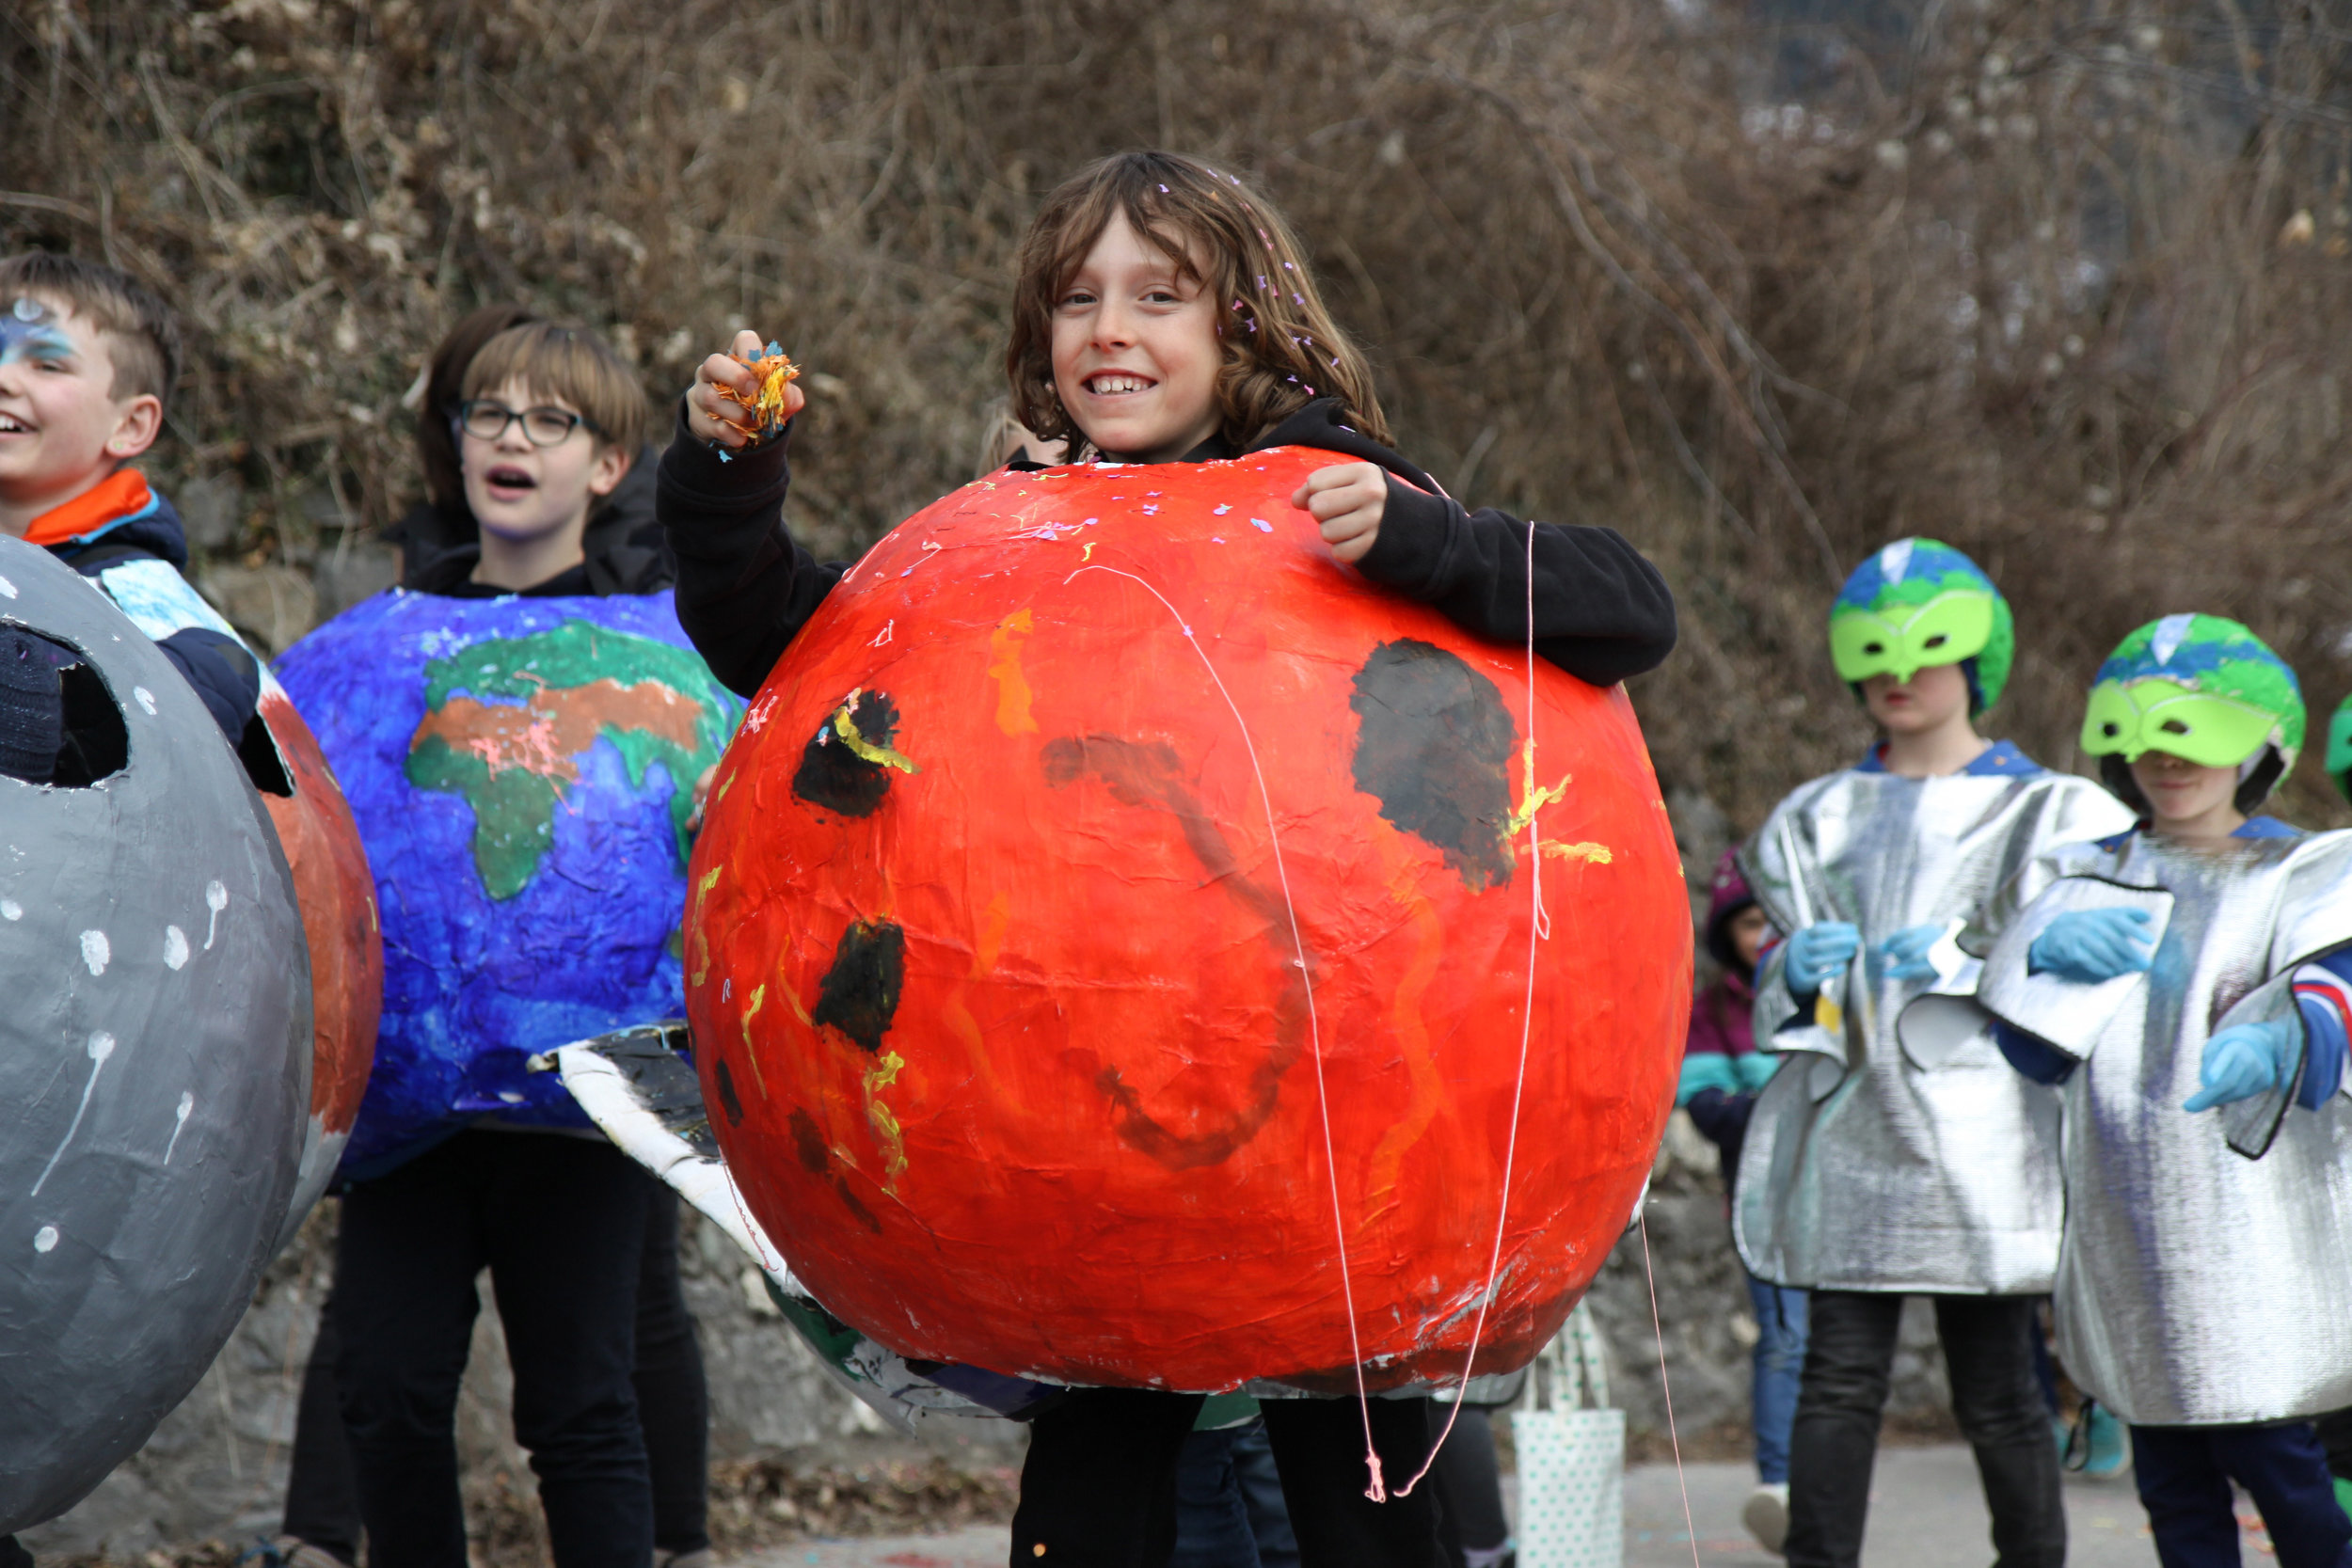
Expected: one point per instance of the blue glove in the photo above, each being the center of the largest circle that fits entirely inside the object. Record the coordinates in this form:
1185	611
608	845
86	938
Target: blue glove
1703	1070
2091	946
1905	953
1756	1069
1819	951
2242	1062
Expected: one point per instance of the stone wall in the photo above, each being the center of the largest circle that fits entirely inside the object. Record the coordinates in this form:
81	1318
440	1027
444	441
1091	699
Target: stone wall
217	1467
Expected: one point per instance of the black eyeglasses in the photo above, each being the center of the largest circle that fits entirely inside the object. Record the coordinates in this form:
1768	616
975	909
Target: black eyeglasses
487	420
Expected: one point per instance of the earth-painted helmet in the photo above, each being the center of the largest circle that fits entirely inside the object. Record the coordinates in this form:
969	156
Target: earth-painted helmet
2340	746
2203	689
1917	603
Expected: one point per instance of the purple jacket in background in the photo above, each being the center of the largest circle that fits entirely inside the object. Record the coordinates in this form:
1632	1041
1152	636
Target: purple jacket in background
1722	1019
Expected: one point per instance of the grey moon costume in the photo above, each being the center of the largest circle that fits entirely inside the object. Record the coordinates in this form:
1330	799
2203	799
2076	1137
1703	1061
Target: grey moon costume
154	1059
2196	1286
1903	1160
160	602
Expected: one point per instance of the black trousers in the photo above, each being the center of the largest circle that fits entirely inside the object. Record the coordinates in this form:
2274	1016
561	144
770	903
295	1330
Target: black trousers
1470	1483
2334	1432
672	1407
561	1223
1988	1351
1099	1487
2184	1474
672	1394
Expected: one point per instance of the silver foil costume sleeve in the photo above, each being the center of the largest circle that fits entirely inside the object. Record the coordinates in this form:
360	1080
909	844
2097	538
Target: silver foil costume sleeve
1877	1167
2195	1286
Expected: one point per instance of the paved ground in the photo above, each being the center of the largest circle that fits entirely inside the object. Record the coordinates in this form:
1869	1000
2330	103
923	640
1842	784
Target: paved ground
1926	1511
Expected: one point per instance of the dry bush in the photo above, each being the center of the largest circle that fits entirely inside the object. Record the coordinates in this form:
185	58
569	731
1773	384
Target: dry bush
2030	279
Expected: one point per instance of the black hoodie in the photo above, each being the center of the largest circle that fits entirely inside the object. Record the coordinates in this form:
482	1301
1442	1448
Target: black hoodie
745	586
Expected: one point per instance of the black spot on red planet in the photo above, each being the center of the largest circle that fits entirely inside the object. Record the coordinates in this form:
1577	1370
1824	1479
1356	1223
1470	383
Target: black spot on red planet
859	994
809	1144
1434	748
727	1097
832	776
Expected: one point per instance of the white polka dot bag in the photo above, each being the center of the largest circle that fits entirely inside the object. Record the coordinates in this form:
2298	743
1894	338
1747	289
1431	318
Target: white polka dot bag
1571	1459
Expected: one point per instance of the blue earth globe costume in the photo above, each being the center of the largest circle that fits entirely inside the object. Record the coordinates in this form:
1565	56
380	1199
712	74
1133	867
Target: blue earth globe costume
522	771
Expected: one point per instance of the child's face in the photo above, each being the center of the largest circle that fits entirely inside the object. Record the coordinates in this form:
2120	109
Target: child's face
1932	698
1135	350
2181	793
1748	930
61	426
522	492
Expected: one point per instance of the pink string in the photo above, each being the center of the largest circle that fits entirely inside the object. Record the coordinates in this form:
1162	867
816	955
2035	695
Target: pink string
1538	928
1378	1490
1658	1329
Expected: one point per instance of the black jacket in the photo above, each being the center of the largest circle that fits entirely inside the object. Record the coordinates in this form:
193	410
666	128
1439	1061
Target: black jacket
745	586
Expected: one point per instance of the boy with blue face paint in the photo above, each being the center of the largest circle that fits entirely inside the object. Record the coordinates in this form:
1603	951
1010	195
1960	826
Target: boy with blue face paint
2189	983
88	359
1889	1159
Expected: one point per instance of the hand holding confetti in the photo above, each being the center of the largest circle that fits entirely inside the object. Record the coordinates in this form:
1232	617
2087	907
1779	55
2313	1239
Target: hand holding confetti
757	382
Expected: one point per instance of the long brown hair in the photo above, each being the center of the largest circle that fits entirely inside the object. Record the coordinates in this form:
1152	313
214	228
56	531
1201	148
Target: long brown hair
1281	348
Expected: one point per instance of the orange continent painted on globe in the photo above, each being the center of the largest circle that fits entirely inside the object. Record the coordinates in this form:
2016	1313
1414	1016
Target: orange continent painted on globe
1095	809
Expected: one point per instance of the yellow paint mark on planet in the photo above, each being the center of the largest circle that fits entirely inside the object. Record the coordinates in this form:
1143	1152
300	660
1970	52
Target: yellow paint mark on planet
702	940
751	1051
885	1122
1004	668
1532	800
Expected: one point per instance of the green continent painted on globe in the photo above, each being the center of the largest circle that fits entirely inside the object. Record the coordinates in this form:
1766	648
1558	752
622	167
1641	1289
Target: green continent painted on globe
508	720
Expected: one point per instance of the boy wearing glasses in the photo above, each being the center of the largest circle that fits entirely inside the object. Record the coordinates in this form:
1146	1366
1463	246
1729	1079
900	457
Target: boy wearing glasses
546	425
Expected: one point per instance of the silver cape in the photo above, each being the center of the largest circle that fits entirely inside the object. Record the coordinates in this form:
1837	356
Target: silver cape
2196	1286
1910	1160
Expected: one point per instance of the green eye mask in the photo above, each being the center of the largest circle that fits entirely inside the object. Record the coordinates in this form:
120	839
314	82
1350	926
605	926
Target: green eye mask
1945	630
2160	716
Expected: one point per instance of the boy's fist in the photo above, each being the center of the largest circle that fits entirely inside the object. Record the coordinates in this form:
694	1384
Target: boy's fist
715	417
1349	499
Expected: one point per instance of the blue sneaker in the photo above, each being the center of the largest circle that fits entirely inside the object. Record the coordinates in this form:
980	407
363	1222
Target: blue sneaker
2110	1446
2094	1444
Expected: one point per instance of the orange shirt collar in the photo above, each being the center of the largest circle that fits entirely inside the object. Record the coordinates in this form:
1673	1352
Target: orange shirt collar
119	496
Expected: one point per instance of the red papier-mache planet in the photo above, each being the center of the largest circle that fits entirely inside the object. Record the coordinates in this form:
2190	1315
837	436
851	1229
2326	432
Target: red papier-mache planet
338	895
994	937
